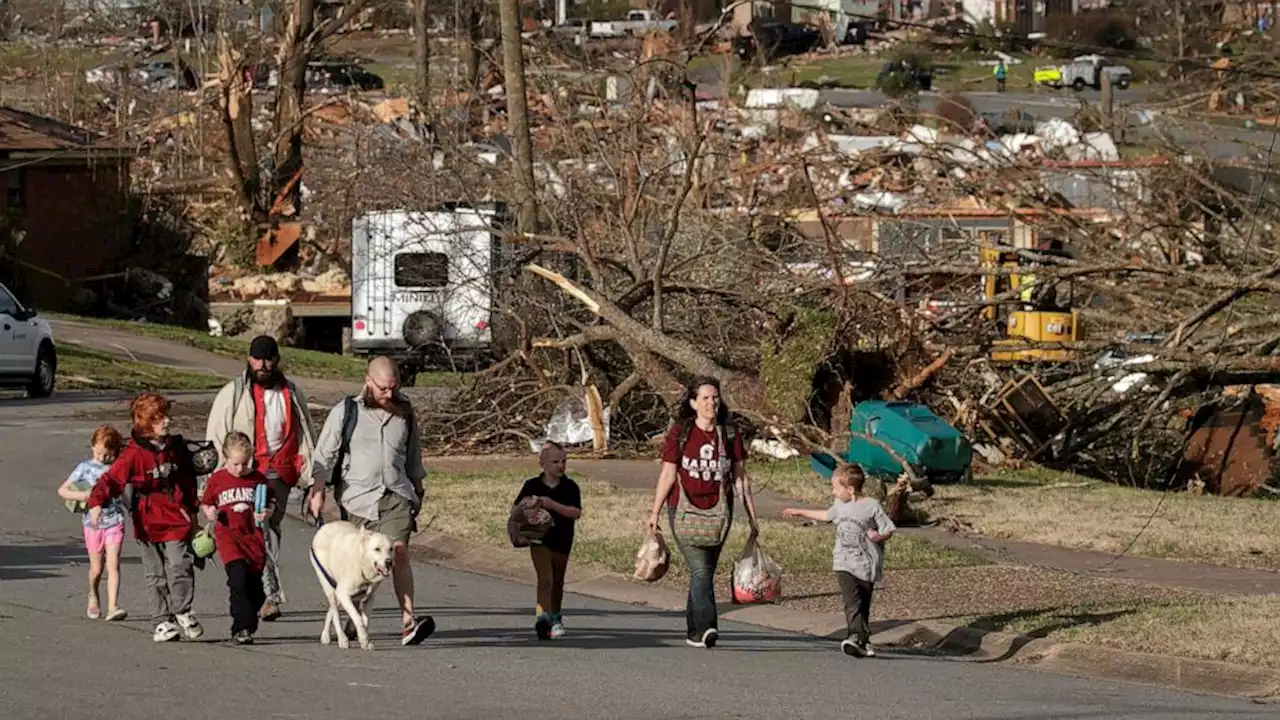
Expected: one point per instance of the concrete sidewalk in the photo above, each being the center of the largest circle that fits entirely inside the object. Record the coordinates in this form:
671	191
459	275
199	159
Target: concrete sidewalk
639	476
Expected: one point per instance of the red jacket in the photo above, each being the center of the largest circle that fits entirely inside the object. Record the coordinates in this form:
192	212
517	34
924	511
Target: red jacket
164	488
285	462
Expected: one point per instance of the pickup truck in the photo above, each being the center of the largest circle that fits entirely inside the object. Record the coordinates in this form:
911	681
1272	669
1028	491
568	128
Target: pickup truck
1084	71
638	22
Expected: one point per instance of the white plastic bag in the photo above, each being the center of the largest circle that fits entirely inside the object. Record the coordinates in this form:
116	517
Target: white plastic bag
570	425
756	577
652	559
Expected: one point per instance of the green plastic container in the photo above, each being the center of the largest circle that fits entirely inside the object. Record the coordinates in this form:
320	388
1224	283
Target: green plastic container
936	450
202	544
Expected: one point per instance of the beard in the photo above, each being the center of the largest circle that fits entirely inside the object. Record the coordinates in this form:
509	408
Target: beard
265	378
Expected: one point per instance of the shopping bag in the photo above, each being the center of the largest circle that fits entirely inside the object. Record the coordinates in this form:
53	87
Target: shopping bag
756	577
653	559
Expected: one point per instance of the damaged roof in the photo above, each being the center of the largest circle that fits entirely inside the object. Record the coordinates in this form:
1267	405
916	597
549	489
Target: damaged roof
24	132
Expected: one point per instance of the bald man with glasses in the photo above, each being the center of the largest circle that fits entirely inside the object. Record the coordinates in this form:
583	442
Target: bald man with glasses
379	483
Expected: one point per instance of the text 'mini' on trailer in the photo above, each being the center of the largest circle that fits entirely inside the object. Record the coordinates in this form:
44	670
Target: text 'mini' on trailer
422	285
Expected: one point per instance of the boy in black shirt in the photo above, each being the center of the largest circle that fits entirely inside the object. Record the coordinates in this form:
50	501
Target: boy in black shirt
558	495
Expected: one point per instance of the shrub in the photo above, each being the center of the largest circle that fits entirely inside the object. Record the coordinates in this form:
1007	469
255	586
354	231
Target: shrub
1092	30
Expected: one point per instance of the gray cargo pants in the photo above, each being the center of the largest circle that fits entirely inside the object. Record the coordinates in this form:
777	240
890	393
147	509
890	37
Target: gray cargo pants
271	573
169	569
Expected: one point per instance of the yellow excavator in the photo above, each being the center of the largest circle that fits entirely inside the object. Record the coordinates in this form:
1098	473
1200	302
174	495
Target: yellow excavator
1039	317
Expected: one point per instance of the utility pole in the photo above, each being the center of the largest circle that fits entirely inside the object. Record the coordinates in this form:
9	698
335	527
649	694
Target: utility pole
518	114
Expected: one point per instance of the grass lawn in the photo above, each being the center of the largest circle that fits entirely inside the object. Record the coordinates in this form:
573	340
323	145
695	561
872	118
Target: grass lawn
1058	509
860	71
475	507
16	56
303	363
80	368
398	78
1230	629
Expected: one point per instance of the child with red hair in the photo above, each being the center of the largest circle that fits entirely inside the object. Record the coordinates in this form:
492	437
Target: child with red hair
159	469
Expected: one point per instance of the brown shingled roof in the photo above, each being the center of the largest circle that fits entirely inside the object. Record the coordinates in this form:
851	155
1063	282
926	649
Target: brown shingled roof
22	131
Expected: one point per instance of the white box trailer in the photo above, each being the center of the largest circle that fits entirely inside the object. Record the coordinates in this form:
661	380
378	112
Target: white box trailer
422	285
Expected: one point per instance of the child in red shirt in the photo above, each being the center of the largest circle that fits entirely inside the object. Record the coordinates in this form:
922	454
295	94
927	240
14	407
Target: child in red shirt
237	532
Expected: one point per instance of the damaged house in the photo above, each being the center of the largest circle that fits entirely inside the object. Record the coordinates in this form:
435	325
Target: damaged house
66	206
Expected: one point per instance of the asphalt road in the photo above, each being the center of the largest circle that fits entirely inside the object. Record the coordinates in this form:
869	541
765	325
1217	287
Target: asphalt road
618	662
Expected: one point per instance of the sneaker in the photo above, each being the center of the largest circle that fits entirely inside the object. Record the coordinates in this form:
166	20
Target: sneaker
117	615
190	626
870	651
269	612
93	611
244	637
543	627
851	648
709	637
166	632
418	630
557	630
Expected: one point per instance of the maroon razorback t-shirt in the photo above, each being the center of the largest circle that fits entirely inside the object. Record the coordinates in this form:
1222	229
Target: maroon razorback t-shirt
702	465
235	533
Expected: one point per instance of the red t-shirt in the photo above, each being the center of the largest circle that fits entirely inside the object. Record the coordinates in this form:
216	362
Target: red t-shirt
235	533
702	466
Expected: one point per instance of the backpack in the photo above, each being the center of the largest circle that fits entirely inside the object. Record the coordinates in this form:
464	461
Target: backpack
350	415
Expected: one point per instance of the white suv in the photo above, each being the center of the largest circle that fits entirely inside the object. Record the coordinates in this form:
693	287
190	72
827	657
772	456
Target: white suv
27	355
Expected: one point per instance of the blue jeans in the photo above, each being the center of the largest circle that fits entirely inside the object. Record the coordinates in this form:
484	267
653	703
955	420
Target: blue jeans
700	609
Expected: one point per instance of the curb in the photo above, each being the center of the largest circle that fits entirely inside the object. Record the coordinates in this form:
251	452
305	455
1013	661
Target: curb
1205	677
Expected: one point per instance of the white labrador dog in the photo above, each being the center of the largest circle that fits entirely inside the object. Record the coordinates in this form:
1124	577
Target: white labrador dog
350	563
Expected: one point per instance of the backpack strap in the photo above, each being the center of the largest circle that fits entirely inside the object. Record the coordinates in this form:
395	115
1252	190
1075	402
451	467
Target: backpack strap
350	414
237	394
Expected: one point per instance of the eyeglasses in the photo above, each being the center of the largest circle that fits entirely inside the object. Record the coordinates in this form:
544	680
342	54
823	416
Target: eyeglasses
383	388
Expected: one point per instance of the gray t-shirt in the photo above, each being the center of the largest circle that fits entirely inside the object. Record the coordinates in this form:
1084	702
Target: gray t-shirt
854	552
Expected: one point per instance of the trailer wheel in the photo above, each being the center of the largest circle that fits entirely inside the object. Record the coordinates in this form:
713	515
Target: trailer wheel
422	328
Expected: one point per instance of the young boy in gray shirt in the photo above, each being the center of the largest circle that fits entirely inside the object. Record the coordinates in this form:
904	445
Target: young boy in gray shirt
858	557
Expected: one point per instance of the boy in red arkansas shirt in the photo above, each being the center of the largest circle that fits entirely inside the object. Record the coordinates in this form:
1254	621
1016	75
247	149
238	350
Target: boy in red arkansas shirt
237	532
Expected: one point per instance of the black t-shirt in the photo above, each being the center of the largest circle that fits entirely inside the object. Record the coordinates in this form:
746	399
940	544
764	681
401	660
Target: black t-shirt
560	537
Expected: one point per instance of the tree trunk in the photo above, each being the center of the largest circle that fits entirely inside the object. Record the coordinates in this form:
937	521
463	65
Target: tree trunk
292	59
236	107
421	57
518	114
475	35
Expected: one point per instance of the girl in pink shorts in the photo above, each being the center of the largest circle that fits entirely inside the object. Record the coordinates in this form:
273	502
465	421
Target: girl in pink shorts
104	541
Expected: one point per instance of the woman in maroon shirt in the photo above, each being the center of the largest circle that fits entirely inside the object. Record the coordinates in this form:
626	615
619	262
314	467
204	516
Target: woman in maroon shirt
702	453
